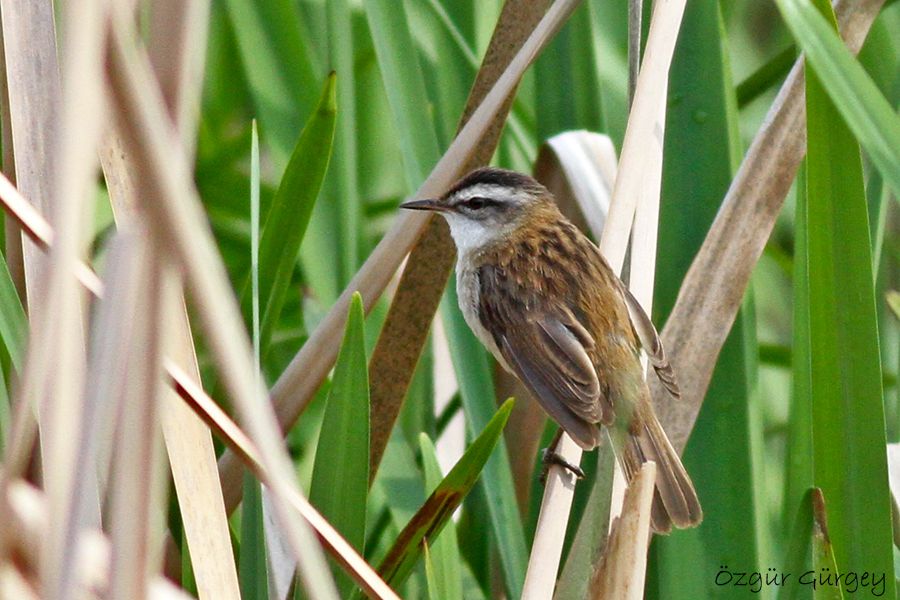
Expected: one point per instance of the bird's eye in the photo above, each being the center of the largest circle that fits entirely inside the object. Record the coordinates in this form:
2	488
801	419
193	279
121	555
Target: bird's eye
476	203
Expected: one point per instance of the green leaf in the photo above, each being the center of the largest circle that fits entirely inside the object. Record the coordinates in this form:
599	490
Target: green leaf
569	63
823	552
844	362
800	477
473	372
14	334
13	321
254	242
438	509
452	66
5	415
343	183
766	76
797	558
394	47
253	566
401	479
290	211
430	575
278	66
443	570
856	98
340	480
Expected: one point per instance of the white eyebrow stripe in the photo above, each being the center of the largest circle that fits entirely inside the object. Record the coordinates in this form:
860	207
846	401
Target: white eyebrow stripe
492	191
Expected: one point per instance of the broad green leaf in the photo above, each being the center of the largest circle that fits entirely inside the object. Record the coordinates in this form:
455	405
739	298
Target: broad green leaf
848	427
438	509
340	479
799	471
253	566
700	156
290	211
856	98
477	390
797	557
444	574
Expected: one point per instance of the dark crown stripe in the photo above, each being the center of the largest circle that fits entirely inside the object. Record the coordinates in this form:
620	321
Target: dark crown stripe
494	176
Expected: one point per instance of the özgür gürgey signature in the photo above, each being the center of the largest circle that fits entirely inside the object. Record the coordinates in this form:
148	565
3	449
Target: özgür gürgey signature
849	581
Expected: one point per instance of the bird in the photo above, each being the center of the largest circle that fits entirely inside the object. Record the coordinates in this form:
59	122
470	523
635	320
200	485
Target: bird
539	295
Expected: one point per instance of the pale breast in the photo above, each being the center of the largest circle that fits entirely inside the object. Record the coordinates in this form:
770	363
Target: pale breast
467	290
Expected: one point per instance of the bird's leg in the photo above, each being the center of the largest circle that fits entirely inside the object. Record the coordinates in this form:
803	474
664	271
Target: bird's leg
550	456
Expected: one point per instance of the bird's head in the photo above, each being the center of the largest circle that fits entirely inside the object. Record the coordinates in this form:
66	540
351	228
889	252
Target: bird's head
488	205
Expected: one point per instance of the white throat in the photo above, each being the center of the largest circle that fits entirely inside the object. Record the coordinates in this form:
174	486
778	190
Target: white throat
469	235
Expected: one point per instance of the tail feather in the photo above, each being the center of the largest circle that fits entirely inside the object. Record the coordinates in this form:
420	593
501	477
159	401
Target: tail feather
675	501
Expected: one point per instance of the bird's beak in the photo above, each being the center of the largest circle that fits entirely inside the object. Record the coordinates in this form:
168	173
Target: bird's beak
427	204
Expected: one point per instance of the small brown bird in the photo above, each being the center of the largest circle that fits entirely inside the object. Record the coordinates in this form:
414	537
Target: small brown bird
541	297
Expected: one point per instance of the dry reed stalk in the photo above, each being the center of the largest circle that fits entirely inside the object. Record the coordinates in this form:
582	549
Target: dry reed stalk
137	468
622	569
26	507
14	585
13	234
641	134
218	420
32	78
53	374
40	231
176	50
178	220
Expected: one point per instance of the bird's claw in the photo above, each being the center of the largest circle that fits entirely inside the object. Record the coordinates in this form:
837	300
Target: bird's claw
550	457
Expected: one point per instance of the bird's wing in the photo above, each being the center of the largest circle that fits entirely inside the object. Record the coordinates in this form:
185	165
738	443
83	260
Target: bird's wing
548	350
647	334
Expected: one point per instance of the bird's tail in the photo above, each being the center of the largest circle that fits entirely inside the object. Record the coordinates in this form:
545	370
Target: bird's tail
675	501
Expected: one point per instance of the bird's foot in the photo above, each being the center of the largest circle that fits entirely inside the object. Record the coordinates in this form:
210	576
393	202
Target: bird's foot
550	457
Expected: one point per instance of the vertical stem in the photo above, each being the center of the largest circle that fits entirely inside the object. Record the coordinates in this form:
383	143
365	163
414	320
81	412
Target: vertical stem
635	14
